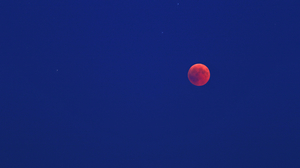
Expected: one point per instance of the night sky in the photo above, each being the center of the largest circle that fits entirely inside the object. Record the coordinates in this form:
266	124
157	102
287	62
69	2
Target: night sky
103	84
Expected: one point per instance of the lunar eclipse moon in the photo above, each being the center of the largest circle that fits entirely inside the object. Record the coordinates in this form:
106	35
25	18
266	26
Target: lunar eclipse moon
198	74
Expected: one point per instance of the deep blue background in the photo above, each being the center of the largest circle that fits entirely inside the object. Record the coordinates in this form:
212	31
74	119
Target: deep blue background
104	84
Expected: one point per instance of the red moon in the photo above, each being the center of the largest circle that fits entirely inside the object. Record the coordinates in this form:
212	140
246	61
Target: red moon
198	74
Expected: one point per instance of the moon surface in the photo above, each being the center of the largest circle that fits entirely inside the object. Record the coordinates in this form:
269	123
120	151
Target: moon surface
198	74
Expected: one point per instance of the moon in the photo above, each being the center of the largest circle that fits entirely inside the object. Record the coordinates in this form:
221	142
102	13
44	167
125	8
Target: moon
198	74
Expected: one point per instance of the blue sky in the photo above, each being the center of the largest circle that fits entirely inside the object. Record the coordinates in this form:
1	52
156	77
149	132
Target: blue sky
104	84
